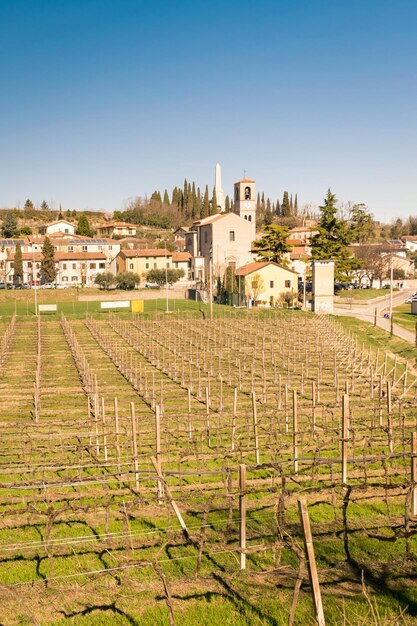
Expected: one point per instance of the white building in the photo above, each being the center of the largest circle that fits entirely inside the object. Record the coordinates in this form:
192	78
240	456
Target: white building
60	226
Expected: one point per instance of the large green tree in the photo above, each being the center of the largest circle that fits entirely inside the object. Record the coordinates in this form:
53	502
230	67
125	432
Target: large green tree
362	223
83	227
9	226
205	209
48	261
18	264
214	202
333	239
273	244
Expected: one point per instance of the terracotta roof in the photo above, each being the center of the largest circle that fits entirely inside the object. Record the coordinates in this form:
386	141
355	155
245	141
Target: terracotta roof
302	229
299	251
143	252
246	180
181	256
258	265
210	219
294	242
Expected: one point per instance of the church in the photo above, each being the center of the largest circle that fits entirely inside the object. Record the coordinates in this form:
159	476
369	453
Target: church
224	239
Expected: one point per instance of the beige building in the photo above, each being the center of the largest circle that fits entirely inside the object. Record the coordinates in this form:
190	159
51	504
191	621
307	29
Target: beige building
117	229
141	261
266	282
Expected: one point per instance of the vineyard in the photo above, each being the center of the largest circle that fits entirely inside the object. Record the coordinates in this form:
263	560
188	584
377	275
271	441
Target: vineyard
161	471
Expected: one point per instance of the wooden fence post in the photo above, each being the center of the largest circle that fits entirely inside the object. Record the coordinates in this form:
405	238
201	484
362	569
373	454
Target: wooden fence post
242	515
311	561
116	428
234	419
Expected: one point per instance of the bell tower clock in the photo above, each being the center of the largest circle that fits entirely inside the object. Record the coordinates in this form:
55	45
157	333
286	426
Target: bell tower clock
245	200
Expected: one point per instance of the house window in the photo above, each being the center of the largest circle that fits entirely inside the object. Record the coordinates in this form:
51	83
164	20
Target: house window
70	248
64	266
84	248
74	279
167	263
287	284
110	247
176	265
30	264
146	266
74	266
102	266
154	266
131	266
64	279
231	235
92	266
271	284
250	218
66	230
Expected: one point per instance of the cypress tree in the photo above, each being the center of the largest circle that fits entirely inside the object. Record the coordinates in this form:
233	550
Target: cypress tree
166	197
18	264
277	209
285	206
291	206
174	200
263	202
227	204
205	209
214	202
258	203
48	261
296	205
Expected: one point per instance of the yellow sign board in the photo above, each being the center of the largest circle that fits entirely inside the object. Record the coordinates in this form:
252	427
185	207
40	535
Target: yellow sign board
137	306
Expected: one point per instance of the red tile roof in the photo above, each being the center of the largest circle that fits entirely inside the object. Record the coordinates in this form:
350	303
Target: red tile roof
181	256
258	265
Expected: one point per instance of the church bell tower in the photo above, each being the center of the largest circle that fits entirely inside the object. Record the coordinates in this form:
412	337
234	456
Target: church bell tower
245	200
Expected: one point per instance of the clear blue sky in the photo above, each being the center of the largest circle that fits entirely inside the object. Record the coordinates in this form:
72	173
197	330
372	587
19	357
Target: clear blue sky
102	100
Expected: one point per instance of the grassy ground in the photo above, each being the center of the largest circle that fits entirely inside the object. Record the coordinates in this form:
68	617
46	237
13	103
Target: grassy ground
403	317
371	335
362	294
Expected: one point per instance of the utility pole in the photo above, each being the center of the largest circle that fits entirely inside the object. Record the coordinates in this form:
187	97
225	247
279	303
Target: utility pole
390	296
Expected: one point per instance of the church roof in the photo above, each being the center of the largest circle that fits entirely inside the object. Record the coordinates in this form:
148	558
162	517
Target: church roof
246	180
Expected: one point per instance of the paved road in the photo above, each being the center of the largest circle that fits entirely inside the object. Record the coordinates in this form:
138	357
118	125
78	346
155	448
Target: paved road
367	312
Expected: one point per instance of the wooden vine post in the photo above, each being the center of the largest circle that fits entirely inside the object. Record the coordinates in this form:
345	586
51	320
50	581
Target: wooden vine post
345	436
134	444
414	473
242	516
311	561
158	451
295	434
255	427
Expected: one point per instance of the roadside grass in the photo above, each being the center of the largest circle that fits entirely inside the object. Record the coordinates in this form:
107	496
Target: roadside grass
375	337
403	317
362	294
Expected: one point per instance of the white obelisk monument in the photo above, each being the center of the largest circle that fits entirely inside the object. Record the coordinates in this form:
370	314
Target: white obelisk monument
218	186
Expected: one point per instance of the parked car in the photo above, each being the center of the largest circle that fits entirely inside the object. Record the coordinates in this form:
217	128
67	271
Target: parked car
2	285
152	286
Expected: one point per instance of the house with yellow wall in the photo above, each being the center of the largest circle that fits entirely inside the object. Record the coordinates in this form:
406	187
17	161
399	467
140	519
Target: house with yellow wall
266	282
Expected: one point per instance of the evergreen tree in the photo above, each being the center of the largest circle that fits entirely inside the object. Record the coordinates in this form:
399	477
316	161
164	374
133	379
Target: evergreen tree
185	196
285	206
28	206
68	213
48	261
214	202
258	203
291	206
362	223
268	212
263	203
166	197
44	206
227	204
296	205
205	209
18	264
174	200
273	244
278	209
60	214
333	239
83	227
9	226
